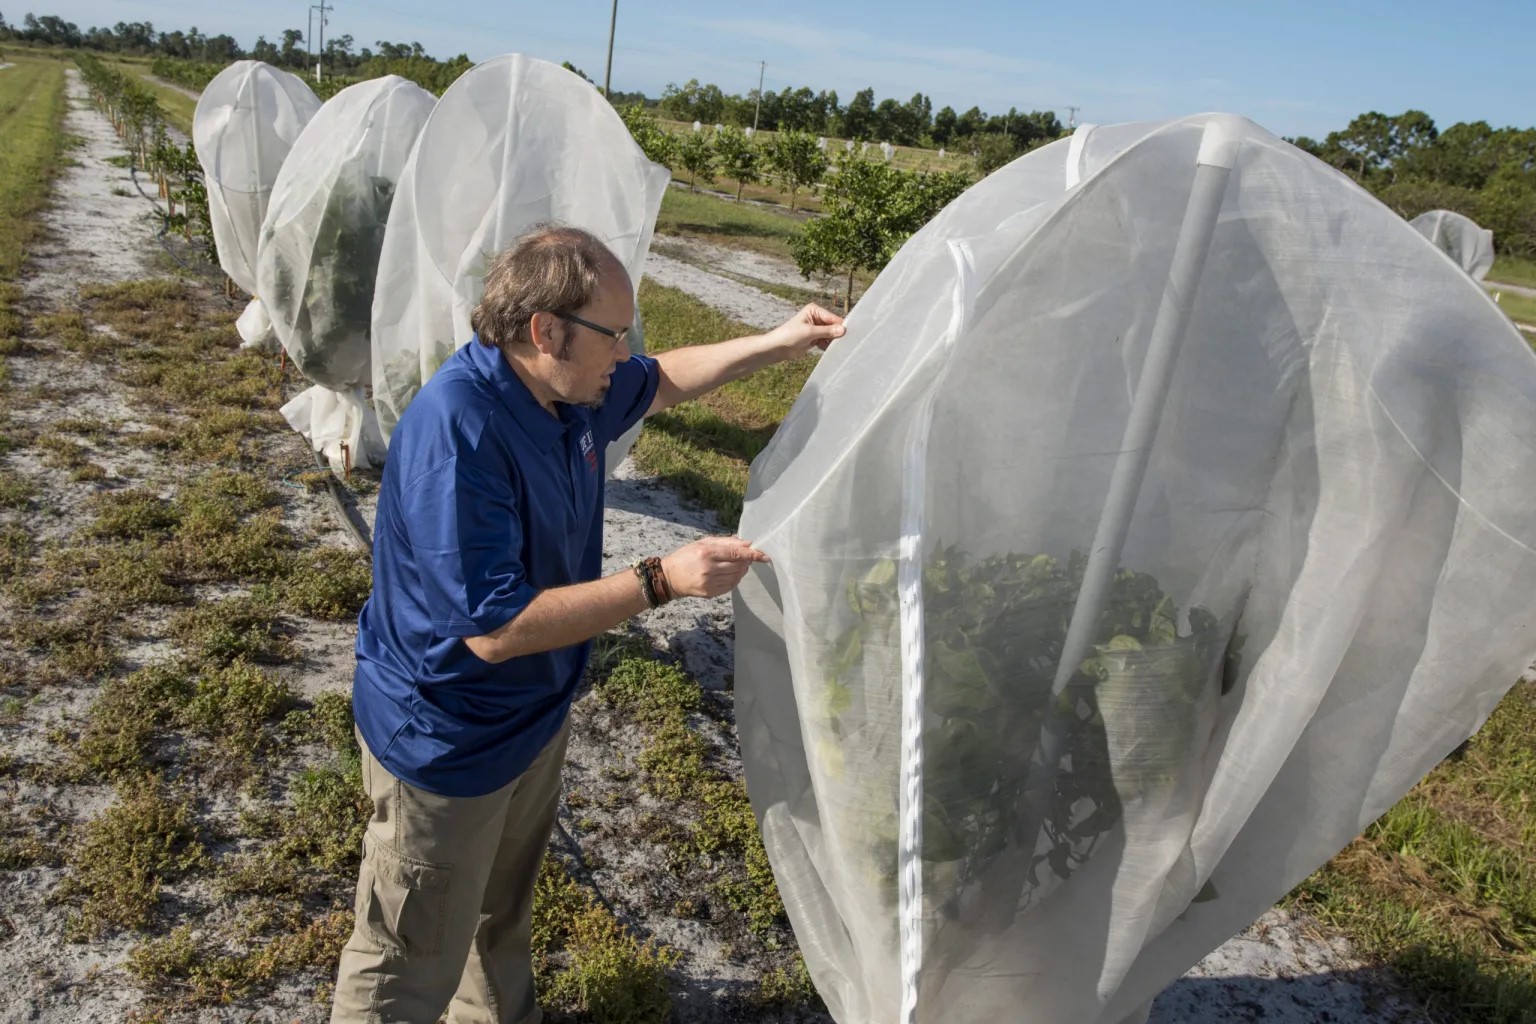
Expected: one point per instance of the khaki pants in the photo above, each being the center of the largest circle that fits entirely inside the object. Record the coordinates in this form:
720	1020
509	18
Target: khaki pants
445	900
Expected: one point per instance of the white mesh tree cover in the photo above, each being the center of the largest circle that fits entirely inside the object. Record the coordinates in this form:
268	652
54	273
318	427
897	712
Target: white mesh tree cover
514	142
1461	238
1154	528
319	254
246	121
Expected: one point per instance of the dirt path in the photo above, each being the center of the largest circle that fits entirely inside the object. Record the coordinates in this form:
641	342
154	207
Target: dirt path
740	302
190	94
1518	289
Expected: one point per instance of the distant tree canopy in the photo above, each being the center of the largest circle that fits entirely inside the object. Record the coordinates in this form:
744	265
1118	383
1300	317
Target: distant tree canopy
913	123
1486	173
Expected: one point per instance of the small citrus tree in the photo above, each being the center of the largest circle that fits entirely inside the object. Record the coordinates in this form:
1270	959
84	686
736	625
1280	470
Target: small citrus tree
697	156
740	159
869	210
648	133
796	161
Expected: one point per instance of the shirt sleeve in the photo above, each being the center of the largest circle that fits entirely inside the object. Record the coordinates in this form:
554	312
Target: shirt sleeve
630	394
465	531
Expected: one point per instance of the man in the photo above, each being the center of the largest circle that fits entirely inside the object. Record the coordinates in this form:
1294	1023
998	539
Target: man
486	595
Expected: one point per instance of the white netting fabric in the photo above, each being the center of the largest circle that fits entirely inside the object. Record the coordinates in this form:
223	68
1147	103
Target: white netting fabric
514	142
1461	238
1151	532
319	254
245	122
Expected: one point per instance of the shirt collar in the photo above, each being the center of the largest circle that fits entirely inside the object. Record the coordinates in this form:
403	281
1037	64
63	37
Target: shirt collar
543	429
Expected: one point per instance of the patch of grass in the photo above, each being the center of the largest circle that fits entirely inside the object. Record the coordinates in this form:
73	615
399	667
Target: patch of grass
129	575
723	222
126	717
237	707
228	530
329	583
200	972
259	549
323	829
238	628
786	988
94	430
1443	887
132	514
32	108
588	963
124	855
704	448
707	478
675	767
1514	270
328	721
76	645
1519	308
213	439
72	333
16	491
215	500
651	689
24	843
729	830
16	550
163	295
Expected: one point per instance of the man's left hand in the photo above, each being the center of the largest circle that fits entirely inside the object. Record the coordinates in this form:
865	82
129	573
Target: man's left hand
812	327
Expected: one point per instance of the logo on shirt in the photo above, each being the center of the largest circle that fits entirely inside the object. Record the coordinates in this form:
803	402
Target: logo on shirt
589	450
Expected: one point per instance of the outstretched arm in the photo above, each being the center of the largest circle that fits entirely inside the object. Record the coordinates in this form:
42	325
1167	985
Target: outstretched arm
687	373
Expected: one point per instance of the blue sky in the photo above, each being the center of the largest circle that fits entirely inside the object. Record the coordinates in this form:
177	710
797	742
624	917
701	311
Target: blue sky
1296	68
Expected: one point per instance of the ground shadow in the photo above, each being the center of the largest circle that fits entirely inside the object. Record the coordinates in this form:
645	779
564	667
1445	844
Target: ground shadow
1331	997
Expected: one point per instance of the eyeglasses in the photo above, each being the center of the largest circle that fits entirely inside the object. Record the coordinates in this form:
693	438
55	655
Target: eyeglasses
618	336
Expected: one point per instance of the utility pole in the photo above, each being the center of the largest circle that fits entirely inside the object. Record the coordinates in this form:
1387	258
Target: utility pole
320	50
1072	116
613	22
762	66
309	40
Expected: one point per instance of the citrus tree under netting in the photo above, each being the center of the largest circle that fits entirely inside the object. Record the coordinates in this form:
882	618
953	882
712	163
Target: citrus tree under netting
1461	238
246	121
319	254
1155	527
512	143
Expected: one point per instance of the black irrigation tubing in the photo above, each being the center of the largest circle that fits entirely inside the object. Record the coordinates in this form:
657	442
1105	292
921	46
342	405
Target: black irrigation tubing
346	512
165	226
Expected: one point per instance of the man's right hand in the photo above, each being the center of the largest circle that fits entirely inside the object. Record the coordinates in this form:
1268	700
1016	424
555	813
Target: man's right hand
709	567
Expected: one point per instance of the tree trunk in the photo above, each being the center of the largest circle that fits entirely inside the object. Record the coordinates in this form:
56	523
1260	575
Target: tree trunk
792	194
848	294
738	191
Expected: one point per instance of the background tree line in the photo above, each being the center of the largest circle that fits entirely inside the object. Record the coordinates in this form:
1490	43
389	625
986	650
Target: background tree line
1486	173
913	123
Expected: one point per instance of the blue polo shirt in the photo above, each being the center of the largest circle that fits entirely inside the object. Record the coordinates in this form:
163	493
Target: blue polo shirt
486	500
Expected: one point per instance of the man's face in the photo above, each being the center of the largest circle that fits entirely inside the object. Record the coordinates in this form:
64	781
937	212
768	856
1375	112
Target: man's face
585	362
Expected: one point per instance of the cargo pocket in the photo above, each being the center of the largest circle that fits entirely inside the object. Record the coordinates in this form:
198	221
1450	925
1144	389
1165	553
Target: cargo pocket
401	903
